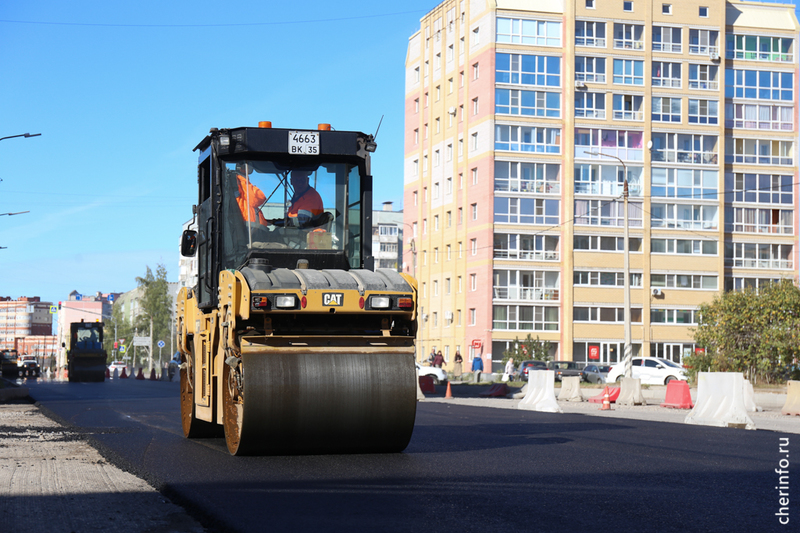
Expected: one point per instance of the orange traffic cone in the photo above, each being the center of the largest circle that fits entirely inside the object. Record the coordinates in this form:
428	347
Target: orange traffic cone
153	374
606	401
124	374
140	375
449	393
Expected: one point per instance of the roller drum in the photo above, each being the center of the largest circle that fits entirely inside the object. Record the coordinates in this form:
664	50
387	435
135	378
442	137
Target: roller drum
323	403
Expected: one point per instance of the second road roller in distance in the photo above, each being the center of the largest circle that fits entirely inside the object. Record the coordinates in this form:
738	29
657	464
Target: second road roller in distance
292	341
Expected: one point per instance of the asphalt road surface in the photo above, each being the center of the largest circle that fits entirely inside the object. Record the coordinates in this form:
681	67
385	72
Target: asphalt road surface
467	469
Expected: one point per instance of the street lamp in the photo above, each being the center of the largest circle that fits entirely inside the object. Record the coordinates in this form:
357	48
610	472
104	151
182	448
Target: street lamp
20	135
628	358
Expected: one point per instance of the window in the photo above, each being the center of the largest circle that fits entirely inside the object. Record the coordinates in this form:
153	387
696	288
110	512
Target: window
758	188
703	111
388	231
536	32
527	177
436	164
436	288
526	210
528	285
460	216
740	283
448	186
436	228
459	285
600	243
703	42
666	39
758	255
684	216
703	77
474	209
666	9
684	183
683	246
437	64
525	317
673	316
473	282
627	6
527	103
589	4
448	152
607	213
628	107
449	217
703	12
475	107
416	78
447	286
628	72
472	318
629	36
755	220
590	105
474	141
605	314
759	85
526	247
759	151
415	170
474	173
476	70
416	136
449	256
590	69
761	117
528	139
523	69
666	109
438	93
666	74
759	48
625	144
388	247
416	105
607	180
590	33
476	36
438	125
415	194
474	246
684	148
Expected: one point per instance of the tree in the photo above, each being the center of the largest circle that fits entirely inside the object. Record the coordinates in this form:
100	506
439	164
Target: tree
527	349
155	305
753	332
116	324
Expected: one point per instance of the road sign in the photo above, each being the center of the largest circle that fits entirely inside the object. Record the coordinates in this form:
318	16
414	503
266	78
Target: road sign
141	341
78	297
122	349
53	309
110	298
161	344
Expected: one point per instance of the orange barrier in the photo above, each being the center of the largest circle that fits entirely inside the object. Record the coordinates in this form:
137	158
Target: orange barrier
426	384
108	373
124	374
606	401
140	375
449	393
678	395
792	405
613	394
498	390
153	375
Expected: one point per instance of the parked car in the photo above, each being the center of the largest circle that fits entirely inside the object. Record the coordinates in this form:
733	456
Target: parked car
594	373
116	365
438	375
526	366
651	370
564	369
28	366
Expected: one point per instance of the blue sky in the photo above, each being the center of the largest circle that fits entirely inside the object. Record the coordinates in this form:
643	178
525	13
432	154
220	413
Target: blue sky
122	93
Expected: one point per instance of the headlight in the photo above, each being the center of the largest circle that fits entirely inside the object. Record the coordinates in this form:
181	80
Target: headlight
379	302
285	301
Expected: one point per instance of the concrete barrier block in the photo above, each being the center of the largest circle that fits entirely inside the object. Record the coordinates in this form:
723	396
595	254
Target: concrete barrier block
420	395
792	405
720	401
541	395
750	398
630	392
570	389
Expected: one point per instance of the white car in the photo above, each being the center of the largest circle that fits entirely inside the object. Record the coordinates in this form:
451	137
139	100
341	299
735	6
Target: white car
651	370
438	375
116	365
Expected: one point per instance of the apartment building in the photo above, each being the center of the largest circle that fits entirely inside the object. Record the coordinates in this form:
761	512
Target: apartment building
524	122
387	237
25	317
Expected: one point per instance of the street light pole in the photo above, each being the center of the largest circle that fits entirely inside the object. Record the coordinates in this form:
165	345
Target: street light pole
628	355
20	135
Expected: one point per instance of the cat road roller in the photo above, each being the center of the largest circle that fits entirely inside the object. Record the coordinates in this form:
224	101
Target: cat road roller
86	359
292	341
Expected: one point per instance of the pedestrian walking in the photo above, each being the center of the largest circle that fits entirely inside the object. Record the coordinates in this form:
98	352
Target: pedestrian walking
477	368
509	370
457	362
438	360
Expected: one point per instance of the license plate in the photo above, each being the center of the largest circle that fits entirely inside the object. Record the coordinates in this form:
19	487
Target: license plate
304	142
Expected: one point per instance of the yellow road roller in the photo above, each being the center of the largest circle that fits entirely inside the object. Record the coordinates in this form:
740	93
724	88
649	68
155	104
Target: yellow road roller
292	342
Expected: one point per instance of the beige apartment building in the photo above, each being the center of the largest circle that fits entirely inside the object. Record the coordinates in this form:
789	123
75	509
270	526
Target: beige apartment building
524	119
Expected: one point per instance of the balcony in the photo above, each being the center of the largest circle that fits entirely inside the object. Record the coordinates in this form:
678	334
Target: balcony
590	77
704	85
629	115
596	42
673	48
628	44
766	264
678	156
529	294
527	255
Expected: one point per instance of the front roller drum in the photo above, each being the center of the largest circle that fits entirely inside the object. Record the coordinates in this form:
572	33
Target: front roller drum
311	403
87	369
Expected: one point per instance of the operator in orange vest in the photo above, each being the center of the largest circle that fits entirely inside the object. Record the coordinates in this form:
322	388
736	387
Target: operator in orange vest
249	198
306	202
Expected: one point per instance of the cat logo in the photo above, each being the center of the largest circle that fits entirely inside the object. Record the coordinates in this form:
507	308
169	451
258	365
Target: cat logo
331	299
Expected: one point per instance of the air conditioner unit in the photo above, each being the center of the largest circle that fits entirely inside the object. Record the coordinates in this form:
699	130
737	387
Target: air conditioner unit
425	317
448	315
580	84
656	292
714	56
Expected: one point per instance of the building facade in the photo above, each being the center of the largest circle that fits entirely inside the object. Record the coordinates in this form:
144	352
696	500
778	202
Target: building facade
387	237
524	122
26	325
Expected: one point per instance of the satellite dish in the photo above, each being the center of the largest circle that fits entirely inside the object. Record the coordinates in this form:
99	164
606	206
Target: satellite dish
649	145
452	110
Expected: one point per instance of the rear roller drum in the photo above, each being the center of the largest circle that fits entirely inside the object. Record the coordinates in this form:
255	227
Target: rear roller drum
192	427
